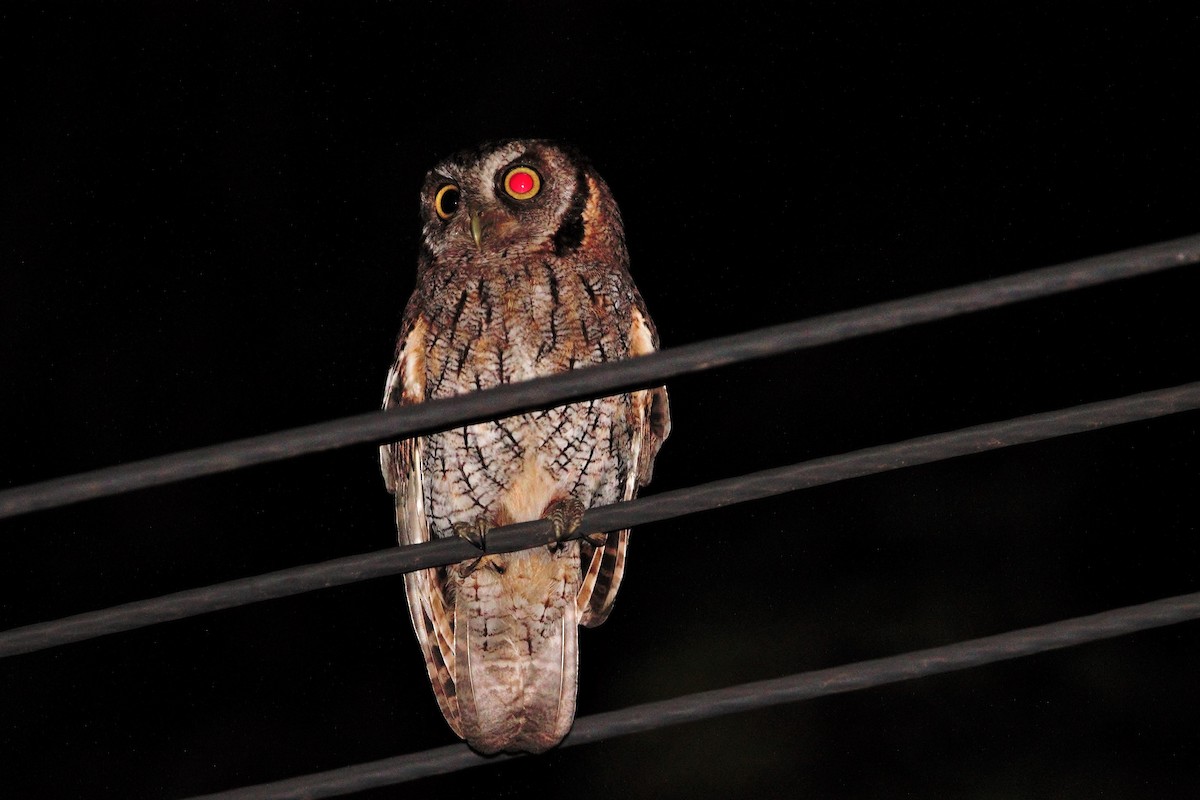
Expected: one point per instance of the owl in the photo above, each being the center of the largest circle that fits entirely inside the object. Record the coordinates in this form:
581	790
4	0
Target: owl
522	272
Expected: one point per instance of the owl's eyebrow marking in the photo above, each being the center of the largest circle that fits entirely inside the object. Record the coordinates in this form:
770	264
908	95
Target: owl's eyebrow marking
570	232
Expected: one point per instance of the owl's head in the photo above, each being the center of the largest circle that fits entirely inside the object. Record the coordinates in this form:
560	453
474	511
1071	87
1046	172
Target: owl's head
514	198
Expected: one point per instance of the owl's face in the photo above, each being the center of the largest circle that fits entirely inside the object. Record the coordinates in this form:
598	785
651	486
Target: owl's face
512	198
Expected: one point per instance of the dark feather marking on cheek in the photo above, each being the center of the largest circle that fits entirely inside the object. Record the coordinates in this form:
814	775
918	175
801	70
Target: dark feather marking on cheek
570	232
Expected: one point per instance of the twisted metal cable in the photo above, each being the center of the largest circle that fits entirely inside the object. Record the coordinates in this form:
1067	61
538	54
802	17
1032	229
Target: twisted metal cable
745	697
599	380
665	505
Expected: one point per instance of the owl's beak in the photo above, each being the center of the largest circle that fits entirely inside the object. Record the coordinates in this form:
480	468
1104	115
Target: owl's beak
477	230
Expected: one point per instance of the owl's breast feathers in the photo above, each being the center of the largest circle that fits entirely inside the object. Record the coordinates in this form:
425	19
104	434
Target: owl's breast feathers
490	327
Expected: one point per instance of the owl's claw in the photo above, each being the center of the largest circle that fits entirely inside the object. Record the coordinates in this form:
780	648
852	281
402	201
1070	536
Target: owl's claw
473	532
595	539
566	516
465	568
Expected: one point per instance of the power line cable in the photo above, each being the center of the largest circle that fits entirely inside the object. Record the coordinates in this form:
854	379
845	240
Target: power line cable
745	697
599	380
662	506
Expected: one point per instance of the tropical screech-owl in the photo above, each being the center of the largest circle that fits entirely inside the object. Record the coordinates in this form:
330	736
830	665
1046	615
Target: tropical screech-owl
523	272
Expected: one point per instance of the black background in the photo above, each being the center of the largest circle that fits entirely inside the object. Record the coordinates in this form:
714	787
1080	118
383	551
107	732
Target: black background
208	231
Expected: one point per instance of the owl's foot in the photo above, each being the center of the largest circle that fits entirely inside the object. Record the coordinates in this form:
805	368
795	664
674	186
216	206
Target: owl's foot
473	532
566	516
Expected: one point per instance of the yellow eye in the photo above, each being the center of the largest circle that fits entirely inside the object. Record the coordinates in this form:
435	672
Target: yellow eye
522	183
445	202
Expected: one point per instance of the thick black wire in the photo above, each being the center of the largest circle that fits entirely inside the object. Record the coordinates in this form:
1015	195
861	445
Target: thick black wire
596	381
662	506
746	697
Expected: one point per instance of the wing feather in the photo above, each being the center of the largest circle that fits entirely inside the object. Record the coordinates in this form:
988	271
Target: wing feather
650	418
400	463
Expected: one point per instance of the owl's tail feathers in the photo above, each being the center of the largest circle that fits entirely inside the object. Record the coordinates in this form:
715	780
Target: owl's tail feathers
604	569
516	669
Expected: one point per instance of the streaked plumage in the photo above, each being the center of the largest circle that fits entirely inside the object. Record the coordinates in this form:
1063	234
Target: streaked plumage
523	272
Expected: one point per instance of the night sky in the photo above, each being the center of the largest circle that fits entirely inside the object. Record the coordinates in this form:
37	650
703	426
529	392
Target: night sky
208	230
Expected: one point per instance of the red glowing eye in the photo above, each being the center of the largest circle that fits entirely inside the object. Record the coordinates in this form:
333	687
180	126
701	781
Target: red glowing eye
522	183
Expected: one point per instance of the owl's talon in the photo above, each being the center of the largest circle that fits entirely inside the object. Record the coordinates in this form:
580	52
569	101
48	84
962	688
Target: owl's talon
473	532
566	517
465	568
595	539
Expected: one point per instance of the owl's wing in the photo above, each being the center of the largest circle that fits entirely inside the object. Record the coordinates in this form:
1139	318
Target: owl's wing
400	463
650	419
652	410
